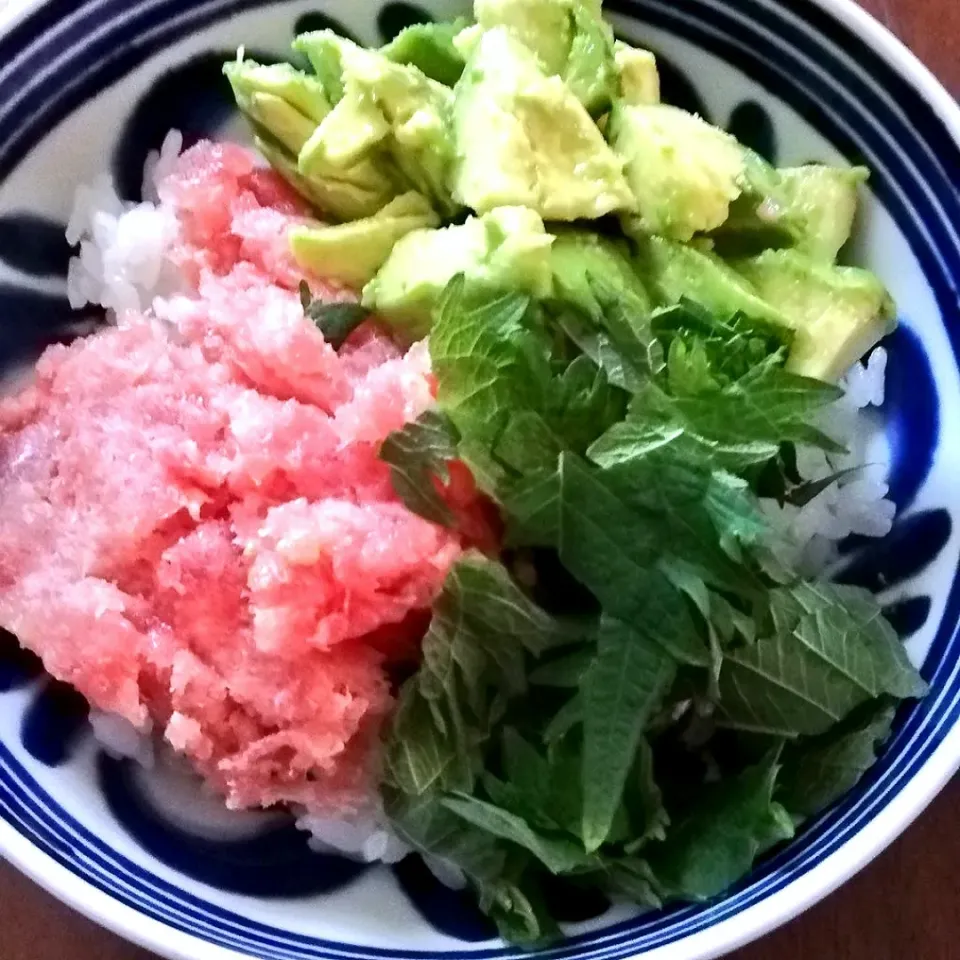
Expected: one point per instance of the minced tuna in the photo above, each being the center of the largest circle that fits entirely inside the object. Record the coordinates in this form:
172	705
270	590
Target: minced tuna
197	531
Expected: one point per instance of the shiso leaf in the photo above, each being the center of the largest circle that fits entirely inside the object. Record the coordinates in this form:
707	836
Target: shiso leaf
474	658
558	854
336	321
418	453
709	351
621	691
498	381
617	524
828	651
769	406
820	771
715	842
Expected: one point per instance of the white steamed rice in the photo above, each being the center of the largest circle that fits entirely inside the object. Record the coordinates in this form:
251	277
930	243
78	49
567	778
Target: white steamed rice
122	261
121	739
807	536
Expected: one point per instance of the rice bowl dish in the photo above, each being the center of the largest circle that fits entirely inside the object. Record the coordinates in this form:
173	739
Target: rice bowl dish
398	473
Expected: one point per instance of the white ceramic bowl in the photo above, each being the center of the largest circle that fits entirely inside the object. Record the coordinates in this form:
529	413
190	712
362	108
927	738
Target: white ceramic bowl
88	85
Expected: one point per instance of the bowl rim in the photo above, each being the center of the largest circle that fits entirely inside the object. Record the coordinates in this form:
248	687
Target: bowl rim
714	941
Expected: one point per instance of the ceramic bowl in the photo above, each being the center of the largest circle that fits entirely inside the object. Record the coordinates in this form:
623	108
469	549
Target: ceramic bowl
92	85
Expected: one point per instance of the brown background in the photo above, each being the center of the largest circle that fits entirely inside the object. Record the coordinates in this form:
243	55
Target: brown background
905	906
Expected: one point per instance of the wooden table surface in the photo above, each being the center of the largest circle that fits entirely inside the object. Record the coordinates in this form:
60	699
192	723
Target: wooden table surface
906	905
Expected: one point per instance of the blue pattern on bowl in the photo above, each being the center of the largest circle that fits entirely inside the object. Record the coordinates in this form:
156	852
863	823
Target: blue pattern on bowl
911	180
274	863
911	417
17	666
752	125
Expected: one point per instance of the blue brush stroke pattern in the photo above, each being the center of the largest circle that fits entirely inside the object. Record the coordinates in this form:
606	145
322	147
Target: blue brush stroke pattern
54	723
911	414
275	863
908	616
912	545
318	20
18	667
34	245
453	912
750	123
394	17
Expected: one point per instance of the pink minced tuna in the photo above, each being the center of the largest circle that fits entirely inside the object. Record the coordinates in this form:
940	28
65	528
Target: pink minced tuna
196	531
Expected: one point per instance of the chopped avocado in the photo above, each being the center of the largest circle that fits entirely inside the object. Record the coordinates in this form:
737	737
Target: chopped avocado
756	221
760	179
837	313
353	252
411	204
414	109
637	73
285	108
467	39
675	271
323	50
570	39
579	256
285	123
507	249
591	71
300	91
810	209
279	99
684	173
430	47
543	26
346	135
338	199
821	202
522	139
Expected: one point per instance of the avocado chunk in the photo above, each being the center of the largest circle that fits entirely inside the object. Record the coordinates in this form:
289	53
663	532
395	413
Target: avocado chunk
467	39
338	199
637	75
279	99
430	47
683	172
285	108
523	139
543	26
285	124
386	108
346	135
506	249
353	252
676	271
757	219
821	204
837	313
570	39
299	91
323	50
591	70
810	209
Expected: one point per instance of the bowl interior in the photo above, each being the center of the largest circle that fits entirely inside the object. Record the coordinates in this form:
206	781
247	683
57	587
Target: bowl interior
790	82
